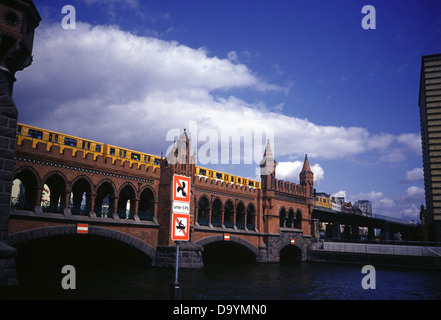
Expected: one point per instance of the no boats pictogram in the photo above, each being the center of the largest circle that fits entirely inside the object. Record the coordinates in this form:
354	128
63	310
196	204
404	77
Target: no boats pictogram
180	223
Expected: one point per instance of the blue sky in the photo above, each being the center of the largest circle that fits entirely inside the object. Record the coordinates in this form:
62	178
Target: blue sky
305	71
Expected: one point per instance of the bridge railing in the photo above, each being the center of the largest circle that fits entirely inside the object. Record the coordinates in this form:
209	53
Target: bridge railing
367	248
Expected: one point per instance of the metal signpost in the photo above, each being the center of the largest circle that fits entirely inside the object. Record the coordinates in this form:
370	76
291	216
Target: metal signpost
180	224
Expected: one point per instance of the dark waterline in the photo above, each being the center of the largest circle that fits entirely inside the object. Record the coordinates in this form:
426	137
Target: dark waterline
244	281
111	270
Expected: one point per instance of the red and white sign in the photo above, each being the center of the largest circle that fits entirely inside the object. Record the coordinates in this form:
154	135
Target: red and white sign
181	188
293	241
82	228
226	236
180	227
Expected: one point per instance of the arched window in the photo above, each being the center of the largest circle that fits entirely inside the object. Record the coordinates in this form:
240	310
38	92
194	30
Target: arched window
104	204
282	215
298	220
216	213
81	191
24	191
203	209
240	216
290	219
251	217
146	205
56	194
126	202
228	214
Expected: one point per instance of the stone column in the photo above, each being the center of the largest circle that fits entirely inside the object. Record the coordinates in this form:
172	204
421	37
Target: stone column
16	40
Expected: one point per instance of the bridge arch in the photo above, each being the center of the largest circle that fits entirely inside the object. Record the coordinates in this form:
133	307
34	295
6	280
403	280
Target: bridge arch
220	238
24	236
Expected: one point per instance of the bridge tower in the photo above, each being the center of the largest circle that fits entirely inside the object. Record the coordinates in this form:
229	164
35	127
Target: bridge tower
268	178
18	20
178	161
307	177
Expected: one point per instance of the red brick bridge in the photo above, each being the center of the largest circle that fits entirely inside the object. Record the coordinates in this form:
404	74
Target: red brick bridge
62	181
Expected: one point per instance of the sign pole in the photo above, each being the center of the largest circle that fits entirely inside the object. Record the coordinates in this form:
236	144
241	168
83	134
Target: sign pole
176	288
180	223
177	263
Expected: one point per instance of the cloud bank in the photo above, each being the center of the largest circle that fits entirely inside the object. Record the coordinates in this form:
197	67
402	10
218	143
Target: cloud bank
119	88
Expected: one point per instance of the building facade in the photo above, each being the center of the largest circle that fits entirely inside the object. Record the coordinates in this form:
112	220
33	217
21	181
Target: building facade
430	117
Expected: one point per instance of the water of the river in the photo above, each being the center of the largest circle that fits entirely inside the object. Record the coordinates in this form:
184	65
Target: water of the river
306	280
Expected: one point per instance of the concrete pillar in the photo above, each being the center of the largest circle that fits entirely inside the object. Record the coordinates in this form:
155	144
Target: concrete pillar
336	233
385	232
315	228
355	235
371	233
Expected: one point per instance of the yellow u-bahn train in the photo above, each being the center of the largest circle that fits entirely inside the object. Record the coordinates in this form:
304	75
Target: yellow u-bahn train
34	134
63	141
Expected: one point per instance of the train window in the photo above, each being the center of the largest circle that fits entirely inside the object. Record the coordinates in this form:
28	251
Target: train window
122	153
50	137
251	183
218	175
157	161
112	151
136	156
203	172
238	180
18	129
70	142
86	145
145	158
35	134
98	148
232	179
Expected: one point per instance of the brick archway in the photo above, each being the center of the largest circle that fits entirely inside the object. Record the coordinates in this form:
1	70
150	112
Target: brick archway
220	238
21	237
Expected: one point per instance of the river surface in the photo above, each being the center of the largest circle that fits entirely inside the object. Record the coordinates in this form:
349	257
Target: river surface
234	281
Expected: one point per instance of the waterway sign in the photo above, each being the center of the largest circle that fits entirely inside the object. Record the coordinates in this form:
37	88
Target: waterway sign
180	227
82	228
293	241
181	188
181	207
226	236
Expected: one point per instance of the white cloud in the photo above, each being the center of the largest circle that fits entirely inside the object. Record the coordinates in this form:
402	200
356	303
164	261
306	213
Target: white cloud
411	141
413	175
119	88
290	170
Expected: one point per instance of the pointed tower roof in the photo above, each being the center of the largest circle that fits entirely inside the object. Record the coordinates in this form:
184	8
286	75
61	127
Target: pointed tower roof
268	152
268	164
306	167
